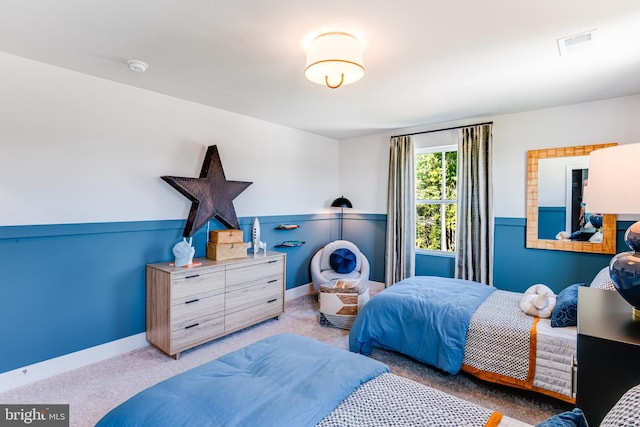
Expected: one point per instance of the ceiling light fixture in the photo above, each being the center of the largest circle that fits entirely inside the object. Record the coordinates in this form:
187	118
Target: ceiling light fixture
137	66
334	59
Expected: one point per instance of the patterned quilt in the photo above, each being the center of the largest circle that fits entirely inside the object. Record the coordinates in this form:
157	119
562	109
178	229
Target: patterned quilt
499	324
392	401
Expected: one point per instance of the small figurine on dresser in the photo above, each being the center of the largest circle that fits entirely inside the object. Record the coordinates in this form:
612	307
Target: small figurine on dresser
183	251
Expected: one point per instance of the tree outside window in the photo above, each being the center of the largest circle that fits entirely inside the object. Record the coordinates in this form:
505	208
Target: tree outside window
436	197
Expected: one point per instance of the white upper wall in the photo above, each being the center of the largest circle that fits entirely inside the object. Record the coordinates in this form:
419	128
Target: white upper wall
76	148
364	161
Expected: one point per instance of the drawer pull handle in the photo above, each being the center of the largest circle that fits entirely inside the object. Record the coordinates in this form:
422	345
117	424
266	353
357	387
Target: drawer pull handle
272	300
192	277
191	326
192	301
272	281
272	261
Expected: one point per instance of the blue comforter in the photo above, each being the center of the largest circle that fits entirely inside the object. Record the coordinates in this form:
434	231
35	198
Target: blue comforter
424	317
284	380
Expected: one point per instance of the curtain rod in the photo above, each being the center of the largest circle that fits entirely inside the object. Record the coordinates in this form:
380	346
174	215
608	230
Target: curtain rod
441	130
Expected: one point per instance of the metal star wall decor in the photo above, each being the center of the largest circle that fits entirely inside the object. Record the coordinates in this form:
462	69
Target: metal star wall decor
212	195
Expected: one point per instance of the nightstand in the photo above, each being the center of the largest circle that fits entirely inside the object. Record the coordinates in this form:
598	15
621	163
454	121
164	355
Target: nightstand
608	351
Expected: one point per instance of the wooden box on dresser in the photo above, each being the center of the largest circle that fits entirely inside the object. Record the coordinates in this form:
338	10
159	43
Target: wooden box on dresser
187	307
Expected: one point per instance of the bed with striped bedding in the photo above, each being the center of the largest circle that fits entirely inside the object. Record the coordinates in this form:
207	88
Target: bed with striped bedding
501	343
539	357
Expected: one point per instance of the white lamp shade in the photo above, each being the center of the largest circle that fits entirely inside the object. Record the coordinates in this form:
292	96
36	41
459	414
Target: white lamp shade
612	186
334	59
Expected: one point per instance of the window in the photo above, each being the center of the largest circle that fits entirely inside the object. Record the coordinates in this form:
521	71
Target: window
436	195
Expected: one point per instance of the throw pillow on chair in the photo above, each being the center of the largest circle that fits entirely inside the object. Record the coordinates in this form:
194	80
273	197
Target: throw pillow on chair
343	261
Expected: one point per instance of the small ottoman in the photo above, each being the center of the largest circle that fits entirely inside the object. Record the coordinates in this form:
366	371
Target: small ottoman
340	302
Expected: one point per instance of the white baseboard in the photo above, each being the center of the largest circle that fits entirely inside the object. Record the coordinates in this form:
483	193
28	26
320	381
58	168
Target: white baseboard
58	365
299	291
48	368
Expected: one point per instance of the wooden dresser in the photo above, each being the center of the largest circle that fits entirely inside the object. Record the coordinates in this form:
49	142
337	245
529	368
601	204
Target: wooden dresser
187	307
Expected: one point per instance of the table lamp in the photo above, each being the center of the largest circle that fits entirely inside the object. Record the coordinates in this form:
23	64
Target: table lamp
612	187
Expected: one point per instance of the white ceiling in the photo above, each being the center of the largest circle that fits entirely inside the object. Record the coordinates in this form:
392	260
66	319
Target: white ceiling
427	61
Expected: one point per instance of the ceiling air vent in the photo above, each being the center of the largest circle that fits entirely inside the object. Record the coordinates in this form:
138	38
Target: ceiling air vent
577	42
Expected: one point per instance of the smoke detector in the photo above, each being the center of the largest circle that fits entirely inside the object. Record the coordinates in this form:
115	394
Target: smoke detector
577	42
137	66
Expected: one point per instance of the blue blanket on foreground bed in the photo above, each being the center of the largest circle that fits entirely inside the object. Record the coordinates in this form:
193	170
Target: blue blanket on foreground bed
284	380
424	317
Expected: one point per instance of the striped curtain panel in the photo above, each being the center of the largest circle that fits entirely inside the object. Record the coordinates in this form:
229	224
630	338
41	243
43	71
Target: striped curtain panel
401	212
474	224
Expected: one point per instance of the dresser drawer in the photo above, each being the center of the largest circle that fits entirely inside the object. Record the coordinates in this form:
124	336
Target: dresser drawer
255	293
196	331
254	270
192	283
253	314
183	314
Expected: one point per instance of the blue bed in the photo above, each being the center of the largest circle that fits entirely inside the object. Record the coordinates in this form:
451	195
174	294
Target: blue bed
284	380
455	325
289	380
423	317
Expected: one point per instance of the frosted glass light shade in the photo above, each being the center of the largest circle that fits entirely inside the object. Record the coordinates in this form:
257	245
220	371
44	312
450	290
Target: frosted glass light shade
612	186
334	59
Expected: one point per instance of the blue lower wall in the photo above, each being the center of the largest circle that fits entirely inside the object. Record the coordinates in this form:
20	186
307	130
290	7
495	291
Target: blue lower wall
434	264
365	230
68	287
73	286
551	221
516	267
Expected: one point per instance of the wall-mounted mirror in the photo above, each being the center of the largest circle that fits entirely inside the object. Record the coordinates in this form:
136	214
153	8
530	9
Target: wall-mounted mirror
557	217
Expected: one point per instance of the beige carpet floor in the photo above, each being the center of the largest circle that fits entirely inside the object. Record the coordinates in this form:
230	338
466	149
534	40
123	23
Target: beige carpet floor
93	390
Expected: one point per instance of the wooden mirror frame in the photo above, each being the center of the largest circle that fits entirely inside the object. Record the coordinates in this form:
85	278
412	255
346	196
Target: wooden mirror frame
608	244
